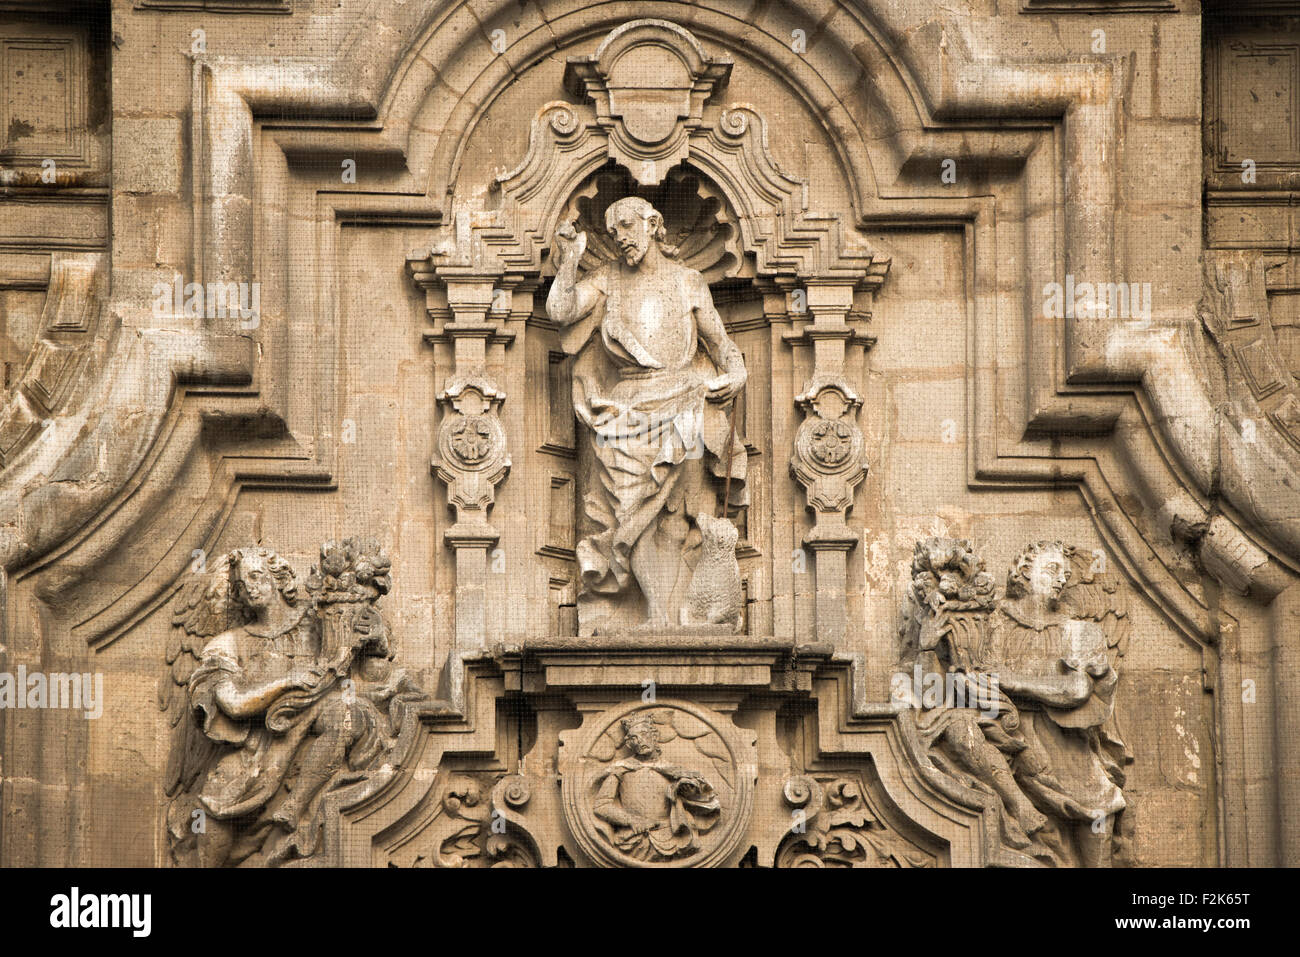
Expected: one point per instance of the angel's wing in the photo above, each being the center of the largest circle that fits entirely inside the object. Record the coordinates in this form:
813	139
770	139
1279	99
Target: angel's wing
205	607
1096	592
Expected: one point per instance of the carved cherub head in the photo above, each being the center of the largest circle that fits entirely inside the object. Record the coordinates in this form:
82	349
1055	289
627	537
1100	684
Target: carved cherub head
634	224
1042	570
641	735
259	578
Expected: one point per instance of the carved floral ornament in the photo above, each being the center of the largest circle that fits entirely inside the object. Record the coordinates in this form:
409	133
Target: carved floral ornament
829	451
834	826
471	445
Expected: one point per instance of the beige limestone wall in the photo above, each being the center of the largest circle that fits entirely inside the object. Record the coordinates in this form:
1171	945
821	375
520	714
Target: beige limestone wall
184	437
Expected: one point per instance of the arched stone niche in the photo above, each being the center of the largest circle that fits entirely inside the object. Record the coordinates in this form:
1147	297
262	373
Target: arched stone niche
647	113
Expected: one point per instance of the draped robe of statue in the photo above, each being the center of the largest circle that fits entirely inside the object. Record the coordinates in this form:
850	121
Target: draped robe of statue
647	433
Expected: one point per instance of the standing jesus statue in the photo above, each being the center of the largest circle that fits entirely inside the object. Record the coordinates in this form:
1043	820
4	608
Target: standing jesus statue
653	408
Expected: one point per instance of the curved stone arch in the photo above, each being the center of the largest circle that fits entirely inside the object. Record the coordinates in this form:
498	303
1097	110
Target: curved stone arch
734	156
804	76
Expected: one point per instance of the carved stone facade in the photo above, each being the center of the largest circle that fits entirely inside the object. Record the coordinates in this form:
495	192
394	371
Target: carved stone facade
673	434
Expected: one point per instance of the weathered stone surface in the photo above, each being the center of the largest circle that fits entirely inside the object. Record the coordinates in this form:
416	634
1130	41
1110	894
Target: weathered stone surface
845	432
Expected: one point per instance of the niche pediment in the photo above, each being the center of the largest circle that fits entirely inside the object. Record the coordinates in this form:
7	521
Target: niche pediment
649	80
645	103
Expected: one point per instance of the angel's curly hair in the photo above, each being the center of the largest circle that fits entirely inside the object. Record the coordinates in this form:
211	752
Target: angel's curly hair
1018	573
286	582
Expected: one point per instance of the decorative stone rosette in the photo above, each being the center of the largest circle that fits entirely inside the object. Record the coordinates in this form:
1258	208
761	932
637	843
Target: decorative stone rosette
473	442
471	453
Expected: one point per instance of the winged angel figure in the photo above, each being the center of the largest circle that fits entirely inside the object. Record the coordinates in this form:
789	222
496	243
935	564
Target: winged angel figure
278	693
1043	660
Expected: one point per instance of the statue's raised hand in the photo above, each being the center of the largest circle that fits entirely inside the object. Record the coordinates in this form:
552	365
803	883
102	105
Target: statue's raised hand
569	245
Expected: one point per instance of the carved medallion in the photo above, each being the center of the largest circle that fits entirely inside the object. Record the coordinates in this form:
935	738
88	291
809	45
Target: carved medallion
471	437
471	454
829	459
668	784
830	443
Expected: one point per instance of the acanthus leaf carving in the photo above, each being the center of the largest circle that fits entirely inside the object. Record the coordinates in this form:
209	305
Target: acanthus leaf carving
511	842
833	826
456	835
475	822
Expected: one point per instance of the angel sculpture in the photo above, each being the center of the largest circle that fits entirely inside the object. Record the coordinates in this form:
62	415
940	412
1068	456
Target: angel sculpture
1060	631
1049	746
278	694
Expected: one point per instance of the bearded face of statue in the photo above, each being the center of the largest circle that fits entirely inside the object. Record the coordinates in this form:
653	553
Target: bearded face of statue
632	232
642	740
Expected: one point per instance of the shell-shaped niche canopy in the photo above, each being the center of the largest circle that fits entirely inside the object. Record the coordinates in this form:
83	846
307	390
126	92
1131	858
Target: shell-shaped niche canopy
698	220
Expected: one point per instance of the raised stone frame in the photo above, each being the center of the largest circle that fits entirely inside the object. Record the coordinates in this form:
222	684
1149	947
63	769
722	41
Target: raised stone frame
488	260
